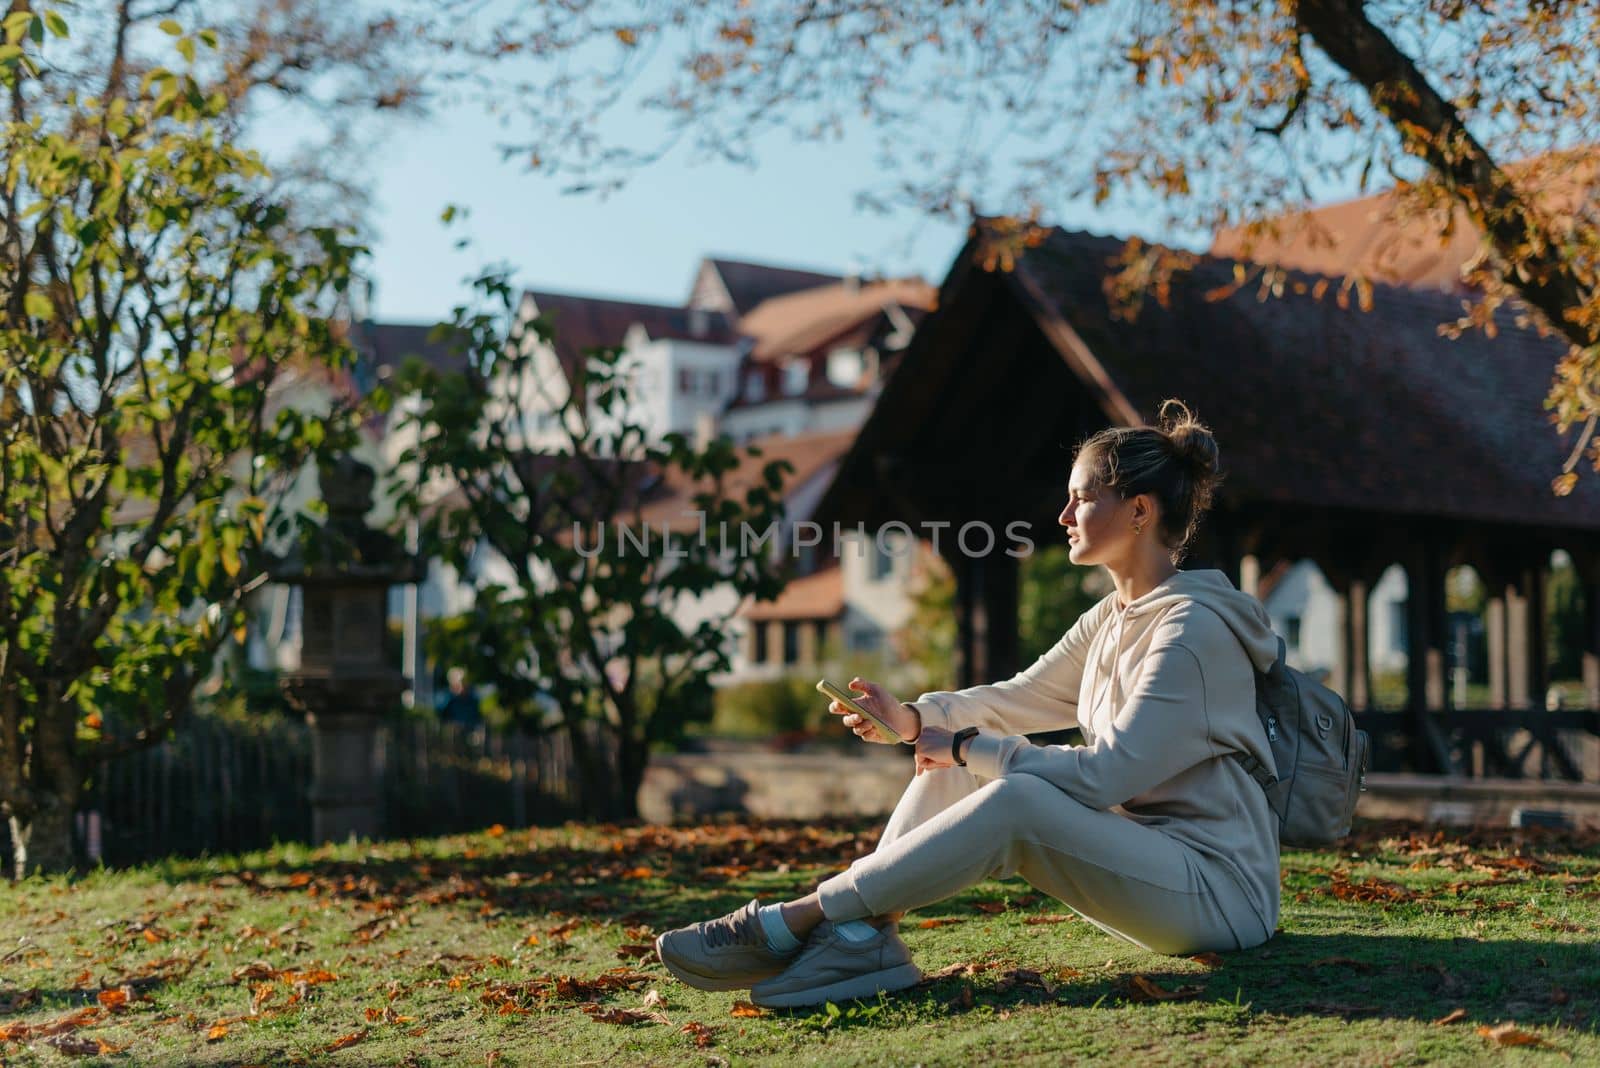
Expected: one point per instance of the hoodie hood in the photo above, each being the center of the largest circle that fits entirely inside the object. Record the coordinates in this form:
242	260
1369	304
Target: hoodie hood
1243	613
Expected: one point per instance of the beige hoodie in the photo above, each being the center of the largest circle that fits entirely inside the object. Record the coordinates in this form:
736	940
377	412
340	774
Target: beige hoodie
1163	691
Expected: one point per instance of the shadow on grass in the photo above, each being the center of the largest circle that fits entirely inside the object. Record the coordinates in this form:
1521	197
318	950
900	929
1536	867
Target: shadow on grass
1420	980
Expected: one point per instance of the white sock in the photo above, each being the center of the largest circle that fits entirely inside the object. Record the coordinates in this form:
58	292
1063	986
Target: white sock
856	930
779	938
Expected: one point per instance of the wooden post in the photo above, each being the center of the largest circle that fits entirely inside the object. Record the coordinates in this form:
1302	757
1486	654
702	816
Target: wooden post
1494	621
1358	645
1341	676
1591	644
1518	635
1250	574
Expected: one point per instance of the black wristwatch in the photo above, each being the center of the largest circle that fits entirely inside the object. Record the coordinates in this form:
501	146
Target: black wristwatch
955	743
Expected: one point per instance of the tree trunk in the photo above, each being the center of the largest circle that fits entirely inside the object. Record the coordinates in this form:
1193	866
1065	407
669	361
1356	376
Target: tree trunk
1431	129
632	758
43	843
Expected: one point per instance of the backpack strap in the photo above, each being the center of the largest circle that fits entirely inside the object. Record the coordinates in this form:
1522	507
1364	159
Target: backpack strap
1256	770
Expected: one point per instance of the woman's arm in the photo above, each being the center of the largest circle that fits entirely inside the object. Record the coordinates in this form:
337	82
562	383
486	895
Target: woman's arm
1162	729
1043	697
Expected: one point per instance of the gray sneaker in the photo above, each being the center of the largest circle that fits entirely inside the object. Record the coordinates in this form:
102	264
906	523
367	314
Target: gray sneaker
833	968
728	953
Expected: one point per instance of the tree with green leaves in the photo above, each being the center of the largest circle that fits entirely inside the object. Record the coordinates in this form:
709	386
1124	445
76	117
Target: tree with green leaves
1199	115
580	619
158	306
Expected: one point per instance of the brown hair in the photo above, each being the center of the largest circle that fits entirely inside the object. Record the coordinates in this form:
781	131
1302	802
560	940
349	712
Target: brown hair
1174	461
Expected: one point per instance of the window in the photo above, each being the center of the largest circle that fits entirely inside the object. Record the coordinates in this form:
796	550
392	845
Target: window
796	376
865	640
714	383
759	653
685	380
791	642
755	390
1291	637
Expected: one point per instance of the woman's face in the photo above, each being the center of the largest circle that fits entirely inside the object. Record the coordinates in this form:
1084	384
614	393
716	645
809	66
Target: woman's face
1099	522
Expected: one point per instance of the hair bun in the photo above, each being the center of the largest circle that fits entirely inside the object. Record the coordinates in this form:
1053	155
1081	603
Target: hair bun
1192	441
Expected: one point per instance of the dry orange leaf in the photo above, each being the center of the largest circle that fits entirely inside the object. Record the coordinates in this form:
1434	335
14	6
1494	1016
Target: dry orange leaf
943	921
1454	1016
1509	1034
641	872
1048	917
151	937
623	1016
217	1033
346	1041
743	1009
1210	960
1143	988
702	1034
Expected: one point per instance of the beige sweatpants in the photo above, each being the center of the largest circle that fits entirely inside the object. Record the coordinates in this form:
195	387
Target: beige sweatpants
953	828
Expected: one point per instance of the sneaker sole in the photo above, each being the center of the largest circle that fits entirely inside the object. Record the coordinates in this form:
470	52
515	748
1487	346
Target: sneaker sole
706	982
857	986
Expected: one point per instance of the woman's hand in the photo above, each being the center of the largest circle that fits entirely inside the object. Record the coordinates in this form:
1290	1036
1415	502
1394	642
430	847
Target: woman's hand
933	749
881	703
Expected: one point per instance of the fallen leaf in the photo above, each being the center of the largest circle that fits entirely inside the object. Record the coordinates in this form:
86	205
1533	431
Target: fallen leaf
82	1046
346	1041
1143	988
624	1016
653	999
113	999
1453	1016
943	921
217	1033
703	1036
743	1010
1210	960
497	830
1348	962
1049	917
631	952
1509	1034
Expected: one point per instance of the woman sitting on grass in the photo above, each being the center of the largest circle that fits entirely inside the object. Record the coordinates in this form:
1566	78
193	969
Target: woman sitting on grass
1151	830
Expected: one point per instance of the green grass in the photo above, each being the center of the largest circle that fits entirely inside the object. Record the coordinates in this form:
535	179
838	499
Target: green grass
453	951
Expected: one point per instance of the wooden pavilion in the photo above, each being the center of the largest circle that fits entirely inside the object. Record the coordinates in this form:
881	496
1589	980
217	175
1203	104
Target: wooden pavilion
1358	439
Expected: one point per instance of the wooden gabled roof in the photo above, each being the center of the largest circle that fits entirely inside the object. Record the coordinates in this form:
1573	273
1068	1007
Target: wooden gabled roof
1312	404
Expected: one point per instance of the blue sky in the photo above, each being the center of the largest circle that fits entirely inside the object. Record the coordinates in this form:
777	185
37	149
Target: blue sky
796	208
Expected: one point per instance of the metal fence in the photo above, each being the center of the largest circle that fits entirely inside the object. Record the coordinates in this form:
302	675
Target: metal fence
225	786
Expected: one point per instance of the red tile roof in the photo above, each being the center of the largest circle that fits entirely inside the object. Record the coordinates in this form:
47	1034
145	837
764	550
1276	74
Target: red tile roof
1374	235
830	316
748	284
583	323
819	595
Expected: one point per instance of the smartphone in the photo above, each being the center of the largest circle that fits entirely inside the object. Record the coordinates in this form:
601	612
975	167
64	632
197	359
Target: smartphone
828	689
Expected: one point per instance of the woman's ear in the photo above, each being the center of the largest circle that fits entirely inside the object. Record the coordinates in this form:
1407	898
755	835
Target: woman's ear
1144	509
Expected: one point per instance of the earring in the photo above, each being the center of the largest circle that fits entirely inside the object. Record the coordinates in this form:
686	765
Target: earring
1137	529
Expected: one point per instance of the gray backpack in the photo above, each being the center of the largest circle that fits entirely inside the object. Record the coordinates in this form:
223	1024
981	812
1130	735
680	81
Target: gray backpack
1320	755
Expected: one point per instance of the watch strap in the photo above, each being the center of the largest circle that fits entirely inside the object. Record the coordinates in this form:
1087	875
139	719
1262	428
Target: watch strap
955	744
